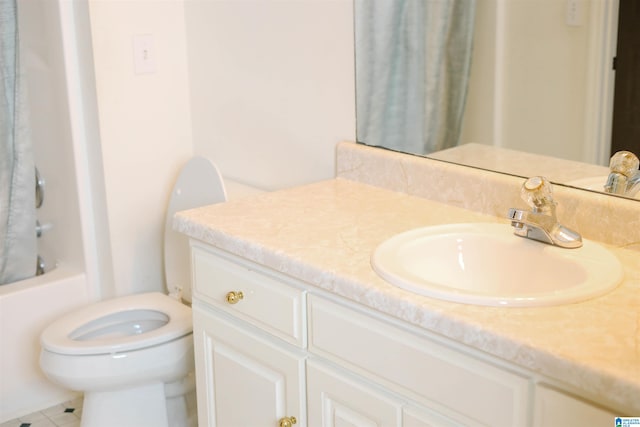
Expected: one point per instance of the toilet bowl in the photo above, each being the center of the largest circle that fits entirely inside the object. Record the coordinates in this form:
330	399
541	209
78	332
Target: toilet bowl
132	356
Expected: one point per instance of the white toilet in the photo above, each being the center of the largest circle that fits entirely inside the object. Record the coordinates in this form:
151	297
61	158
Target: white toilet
133	356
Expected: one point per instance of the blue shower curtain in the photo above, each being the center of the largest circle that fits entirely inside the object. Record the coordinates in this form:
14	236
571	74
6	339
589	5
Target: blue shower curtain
412	68
18	248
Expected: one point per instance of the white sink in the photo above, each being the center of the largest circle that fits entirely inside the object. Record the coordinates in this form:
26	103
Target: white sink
486	264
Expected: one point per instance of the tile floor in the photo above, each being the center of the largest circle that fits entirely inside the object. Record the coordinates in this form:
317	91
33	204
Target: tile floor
64	415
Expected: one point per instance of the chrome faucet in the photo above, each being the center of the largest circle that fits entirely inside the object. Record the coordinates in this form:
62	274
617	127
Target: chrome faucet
541	223
624	176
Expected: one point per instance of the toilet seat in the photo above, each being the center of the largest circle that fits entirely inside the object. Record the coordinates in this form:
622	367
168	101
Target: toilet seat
57	336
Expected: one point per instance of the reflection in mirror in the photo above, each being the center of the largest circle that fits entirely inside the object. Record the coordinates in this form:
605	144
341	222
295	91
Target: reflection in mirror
540	83
624	176
412	72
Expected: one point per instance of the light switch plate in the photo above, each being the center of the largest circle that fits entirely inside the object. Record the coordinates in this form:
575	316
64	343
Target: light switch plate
144	57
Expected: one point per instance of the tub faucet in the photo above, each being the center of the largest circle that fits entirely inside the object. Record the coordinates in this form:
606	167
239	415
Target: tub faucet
541	223
624	176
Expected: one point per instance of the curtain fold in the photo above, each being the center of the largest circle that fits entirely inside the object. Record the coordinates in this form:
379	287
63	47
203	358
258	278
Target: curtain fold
412	69
18	246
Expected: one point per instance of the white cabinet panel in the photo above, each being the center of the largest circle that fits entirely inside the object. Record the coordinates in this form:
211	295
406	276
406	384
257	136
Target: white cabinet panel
433	374
554	408
335	400
266	302
246	392
243	379
421	417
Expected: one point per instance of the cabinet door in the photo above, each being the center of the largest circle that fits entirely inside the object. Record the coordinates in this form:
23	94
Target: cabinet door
336	400
447	379
244	379
422	417
555	408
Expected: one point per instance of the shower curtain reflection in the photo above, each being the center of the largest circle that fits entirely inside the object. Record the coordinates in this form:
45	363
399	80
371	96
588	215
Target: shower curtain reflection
18	249
412	68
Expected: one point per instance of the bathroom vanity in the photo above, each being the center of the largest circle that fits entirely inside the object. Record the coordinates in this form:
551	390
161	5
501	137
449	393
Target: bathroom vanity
293	327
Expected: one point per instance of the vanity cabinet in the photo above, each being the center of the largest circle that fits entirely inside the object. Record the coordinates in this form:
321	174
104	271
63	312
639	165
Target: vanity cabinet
273	351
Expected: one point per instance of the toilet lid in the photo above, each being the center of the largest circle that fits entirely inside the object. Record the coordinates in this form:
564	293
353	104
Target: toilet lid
199	184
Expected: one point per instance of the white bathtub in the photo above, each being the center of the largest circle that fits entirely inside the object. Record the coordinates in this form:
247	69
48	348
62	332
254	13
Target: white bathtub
55	53
26	307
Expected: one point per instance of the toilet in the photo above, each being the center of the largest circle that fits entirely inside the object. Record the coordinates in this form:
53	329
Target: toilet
132	356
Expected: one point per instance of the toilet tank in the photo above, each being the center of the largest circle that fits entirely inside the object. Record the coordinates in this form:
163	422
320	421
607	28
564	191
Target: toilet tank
198	184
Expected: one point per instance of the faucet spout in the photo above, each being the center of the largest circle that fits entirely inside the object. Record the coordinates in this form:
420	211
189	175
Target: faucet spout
543	228
541	223
624	176
633	185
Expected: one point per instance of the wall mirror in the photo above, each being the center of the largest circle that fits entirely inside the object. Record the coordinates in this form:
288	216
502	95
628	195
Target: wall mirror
531	76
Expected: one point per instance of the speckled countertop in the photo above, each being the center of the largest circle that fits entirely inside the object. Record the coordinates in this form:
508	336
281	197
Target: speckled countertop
324	234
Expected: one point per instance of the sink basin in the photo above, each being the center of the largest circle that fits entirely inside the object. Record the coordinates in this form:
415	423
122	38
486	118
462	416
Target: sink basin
486	264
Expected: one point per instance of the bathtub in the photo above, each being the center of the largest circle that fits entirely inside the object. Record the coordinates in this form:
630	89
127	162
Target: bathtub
26	307
54	47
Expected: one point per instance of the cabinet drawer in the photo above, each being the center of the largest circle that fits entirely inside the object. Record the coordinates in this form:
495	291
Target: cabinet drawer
419	367
267	303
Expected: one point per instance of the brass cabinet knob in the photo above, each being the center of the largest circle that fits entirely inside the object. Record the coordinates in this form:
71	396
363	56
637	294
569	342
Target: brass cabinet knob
233	297
287	421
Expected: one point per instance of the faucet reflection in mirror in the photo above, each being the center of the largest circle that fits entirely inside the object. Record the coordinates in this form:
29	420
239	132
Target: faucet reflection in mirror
413	62
624	178
541	223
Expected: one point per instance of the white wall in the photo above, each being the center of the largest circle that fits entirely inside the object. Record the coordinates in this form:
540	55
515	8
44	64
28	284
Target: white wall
546	77
145	130
267	92
272	86
530	76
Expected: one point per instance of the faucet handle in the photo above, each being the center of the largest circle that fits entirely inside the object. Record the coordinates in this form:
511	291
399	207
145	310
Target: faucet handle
536	191
625	163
